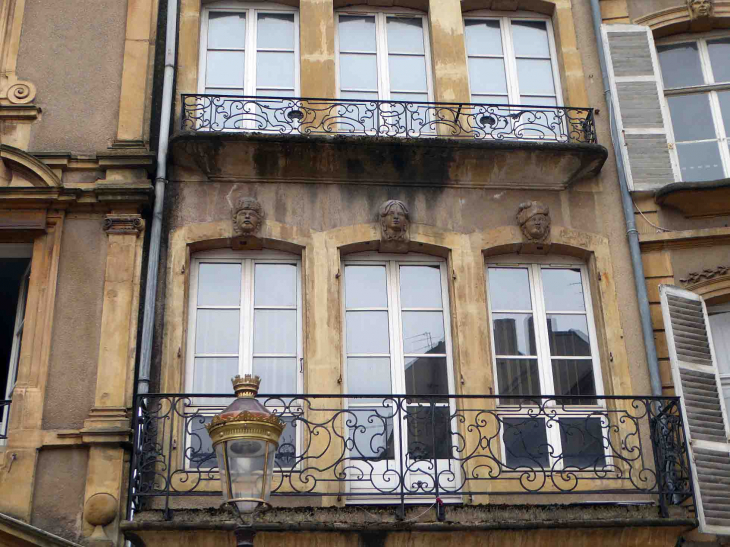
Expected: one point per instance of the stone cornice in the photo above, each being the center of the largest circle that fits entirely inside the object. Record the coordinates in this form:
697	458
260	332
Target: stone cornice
684	239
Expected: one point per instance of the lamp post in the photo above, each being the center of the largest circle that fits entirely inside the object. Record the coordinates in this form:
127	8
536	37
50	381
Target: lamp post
245	438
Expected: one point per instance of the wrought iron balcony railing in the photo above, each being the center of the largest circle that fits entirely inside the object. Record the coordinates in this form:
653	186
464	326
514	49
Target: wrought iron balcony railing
306	116
4	415
402	449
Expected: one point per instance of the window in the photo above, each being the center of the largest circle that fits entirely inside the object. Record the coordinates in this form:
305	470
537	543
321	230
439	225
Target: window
397	341
383	56
511	60
696	77
14	279
249	50
245	318
544	343
719	316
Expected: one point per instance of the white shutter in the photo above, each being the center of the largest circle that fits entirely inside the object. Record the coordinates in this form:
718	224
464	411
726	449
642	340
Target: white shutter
697	382
636	88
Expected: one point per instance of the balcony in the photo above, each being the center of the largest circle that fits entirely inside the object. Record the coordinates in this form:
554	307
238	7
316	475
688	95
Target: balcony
401	450
226	137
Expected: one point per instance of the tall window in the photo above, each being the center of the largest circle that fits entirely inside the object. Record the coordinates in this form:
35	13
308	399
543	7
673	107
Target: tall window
397	341
249	49
511	60
383	56
696	77
14	279
544	343
719	315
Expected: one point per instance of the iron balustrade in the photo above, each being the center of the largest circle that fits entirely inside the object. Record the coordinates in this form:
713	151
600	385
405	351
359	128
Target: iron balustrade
402	449
306	116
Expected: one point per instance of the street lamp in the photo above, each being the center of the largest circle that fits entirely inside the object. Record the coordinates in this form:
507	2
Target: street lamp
245	438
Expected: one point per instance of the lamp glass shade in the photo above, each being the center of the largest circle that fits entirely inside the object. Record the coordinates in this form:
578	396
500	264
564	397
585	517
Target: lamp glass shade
250	465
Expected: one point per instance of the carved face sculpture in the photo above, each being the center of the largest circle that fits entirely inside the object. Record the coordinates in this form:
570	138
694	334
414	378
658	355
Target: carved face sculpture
700	8
247	216
394	220
534	219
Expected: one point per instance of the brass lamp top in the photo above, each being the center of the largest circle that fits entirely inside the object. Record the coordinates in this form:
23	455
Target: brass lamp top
245	418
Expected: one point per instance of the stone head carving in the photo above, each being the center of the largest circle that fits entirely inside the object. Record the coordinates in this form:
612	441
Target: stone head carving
699	9
247	216
534	220
394	221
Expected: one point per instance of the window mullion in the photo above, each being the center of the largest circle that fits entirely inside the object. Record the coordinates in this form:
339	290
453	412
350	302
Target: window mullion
510	61
397	358
245	364
705	64
382	60
249	73
541	331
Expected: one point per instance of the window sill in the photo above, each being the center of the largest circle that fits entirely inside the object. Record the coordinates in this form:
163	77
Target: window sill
696	199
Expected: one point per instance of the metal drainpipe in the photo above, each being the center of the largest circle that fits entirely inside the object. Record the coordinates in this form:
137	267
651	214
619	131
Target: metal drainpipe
631	232
153	264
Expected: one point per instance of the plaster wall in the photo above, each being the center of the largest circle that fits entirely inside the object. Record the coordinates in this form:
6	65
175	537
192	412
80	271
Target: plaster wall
75	342
59	491
73	53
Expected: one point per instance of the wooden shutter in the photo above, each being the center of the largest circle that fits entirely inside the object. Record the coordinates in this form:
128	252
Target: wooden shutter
697	382
636	88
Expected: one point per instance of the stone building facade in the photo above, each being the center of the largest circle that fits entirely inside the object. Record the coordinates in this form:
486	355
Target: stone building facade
405	217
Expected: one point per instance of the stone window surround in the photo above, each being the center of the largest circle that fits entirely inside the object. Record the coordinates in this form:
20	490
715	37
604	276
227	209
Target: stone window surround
450	73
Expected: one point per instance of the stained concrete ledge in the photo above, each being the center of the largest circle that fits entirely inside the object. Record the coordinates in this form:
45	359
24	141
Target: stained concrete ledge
438	161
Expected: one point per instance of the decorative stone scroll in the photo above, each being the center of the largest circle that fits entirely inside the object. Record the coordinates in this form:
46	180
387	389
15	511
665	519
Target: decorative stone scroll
705	275
700	9
123	224
394	227
534	220
247	217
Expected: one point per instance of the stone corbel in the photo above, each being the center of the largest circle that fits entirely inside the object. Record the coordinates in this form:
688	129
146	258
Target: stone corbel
123	224
18	92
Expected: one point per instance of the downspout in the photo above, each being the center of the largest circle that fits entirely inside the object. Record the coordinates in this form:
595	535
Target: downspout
153	263
631	231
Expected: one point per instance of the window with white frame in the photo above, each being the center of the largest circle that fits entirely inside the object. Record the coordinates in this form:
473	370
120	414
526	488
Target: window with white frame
512	60
245	318
696	78
544	343
719	316
397	341
383	55
249	49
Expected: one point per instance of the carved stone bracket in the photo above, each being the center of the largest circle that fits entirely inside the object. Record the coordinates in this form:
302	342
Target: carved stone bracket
394	227
700	9
705	275
20	92
534	220
123	224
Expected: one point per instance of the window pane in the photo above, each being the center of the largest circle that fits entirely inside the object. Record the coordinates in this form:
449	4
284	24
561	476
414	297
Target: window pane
357	33
574	377
487	75
275	30
405	35
407	73
358	72
426	376
719	55
428	433
274	69
217	331
226	30
583	443
568	335
535	77
700	161
371	433
275	331
517	377
680	65
423	332
224	69
525	442
483	37
368	375
286	455
200	454
530	39
213	375
509	289
420	287
367	332
724	98
563	289
514	334
275	285
278	375
691	117
365	287
219	285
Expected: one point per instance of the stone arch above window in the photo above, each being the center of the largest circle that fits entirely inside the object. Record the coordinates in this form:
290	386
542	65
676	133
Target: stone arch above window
18	168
